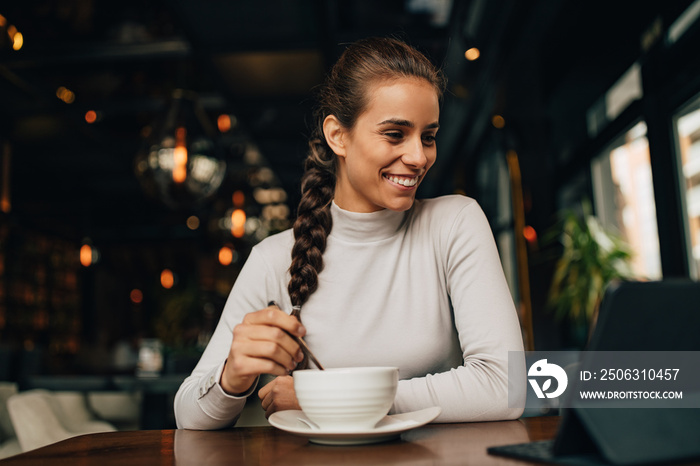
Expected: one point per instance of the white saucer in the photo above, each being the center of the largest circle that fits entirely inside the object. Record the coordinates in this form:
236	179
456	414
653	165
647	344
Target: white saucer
295	422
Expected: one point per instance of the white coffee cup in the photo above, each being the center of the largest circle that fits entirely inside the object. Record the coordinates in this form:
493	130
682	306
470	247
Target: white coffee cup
346	399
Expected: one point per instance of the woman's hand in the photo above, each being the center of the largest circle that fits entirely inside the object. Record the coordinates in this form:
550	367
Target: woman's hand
261	346
279	395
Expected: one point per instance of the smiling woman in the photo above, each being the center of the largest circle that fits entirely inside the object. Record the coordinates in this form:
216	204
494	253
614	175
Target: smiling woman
384	279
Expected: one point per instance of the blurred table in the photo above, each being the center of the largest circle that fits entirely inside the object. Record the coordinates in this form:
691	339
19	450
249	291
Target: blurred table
157	392
432	444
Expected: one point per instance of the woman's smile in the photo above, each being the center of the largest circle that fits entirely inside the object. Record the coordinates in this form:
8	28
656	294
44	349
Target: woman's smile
405	181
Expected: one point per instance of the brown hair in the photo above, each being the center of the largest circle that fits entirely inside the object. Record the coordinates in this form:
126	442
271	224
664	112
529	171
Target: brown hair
344	95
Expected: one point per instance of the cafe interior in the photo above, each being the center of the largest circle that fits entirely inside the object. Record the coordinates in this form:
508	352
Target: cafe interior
575	125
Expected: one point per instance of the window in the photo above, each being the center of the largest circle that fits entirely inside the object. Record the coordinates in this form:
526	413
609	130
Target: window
624	198
688	140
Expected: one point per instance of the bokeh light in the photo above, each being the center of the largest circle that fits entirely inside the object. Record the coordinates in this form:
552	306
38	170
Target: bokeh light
65	95
530	234
86	255
238	199
193	222
180	156
136	296
224	123
167	279
17	41
498	121
225	255
238	223
472	54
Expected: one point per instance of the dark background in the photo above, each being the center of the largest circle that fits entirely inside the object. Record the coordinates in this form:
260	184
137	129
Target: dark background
543	63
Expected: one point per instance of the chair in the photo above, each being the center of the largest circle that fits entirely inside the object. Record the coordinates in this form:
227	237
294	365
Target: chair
41	417
121	409
9	445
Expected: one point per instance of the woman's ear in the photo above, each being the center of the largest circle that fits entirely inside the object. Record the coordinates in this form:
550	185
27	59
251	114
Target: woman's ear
335	135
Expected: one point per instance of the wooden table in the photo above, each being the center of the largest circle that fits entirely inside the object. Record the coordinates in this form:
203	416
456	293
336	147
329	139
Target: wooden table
432	444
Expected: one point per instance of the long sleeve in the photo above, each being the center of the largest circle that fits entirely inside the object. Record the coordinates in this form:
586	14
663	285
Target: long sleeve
487	327
201	403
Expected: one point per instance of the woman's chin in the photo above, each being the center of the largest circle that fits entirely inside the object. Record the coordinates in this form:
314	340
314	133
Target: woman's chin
400	205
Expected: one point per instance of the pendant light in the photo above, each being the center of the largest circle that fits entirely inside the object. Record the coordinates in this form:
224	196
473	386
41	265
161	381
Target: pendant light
181	163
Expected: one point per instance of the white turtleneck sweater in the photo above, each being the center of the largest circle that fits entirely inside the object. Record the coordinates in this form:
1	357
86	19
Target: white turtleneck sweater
422	290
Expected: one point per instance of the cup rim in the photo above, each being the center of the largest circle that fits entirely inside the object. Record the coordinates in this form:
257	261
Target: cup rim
348	370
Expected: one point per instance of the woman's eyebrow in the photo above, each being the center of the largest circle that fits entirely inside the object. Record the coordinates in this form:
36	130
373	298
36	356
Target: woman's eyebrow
406	123
397	122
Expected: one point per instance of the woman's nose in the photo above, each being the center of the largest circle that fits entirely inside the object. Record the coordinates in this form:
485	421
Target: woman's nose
414	155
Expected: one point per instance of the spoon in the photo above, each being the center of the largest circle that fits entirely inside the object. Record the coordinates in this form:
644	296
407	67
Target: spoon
304	348
309	424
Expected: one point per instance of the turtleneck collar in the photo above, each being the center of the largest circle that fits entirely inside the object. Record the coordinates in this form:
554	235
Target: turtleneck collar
360	227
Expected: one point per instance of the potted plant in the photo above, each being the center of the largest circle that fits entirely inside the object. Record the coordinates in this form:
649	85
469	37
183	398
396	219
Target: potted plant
177	327
591	257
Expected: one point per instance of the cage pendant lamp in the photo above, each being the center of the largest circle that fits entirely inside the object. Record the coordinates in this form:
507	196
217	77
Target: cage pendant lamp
181	163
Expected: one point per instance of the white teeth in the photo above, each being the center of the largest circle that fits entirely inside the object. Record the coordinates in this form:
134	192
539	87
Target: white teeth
408	182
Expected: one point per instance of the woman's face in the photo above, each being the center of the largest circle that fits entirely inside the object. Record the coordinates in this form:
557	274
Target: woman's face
385	156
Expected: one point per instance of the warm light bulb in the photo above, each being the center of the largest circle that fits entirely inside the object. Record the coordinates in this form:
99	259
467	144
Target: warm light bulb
498	121
136	296
91	116
167	279
225	255
530	234
86	255
224	123
238	199
17	41
5	201
472	54
180	156
192	222
65	95
179	173
238	223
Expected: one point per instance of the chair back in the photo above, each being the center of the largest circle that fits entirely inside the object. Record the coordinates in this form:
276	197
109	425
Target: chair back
7	389
39	420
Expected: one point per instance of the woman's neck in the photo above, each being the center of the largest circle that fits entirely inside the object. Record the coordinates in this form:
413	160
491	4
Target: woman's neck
363	227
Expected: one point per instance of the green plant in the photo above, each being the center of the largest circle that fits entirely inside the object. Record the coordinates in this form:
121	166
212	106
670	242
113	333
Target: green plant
175	323
590	259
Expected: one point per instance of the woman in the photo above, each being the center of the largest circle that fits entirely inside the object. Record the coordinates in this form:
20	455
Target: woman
376	277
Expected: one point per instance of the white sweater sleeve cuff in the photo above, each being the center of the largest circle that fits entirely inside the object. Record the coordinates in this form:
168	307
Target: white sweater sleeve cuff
214	401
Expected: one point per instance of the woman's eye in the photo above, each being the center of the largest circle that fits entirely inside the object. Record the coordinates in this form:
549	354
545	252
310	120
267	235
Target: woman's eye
394	134
429	138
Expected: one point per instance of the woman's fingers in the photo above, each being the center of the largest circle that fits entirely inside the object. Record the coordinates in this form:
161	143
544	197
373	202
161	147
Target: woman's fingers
266	350
247	360
273	316
278	395
278	339
261	345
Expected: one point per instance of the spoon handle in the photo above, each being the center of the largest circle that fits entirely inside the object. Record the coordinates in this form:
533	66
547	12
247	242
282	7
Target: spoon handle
302	344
